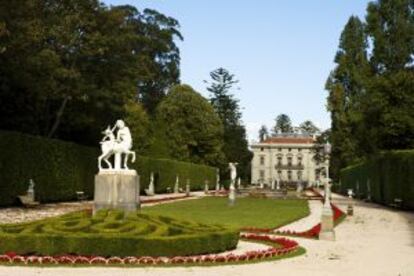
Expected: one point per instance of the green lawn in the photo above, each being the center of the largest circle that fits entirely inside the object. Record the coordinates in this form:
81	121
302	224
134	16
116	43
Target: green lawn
247	212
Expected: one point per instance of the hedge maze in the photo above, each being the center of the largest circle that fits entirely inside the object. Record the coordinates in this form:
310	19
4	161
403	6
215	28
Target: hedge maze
113	233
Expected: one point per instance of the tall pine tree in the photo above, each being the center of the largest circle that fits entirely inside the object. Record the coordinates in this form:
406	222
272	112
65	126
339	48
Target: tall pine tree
227	107
389	114
346	86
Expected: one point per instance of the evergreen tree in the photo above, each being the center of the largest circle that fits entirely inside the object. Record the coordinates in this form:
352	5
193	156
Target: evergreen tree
389	108
227	107
191	128
283	124
263	133
309	127
346	86
70	68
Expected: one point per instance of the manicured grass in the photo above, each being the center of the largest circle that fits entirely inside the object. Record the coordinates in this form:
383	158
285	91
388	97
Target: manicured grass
247	212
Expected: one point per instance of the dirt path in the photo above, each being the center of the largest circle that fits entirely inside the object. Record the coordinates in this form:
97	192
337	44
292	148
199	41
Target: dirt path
376	241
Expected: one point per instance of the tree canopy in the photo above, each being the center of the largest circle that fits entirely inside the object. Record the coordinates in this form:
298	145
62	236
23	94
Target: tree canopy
263	133
71	67
192	129
309	127
227	107
371	91
283	124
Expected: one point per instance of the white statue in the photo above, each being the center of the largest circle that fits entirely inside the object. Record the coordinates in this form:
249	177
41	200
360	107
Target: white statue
122	144
233	172
177	184
30	190
151	189
218	180
233	176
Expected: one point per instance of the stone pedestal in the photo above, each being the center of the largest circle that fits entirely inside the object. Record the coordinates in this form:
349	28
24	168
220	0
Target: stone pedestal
350	210
117	189
327	225
232	194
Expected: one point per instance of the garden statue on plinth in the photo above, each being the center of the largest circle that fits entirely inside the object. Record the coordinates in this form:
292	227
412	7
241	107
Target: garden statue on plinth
217	180
327	220
116	187
31	191
206	186
151	189
187	188
350	209
177	185
233	176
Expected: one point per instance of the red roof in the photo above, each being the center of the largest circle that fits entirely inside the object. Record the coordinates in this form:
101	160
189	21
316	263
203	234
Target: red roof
289	140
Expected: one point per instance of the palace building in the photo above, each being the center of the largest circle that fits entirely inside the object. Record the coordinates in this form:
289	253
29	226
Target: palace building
286	158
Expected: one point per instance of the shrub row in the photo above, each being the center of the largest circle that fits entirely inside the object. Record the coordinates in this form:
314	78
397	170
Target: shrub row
110	234
389	176
60	168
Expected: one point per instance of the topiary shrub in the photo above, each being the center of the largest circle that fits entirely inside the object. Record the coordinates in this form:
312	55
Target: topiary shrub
390	174
60	168
111	233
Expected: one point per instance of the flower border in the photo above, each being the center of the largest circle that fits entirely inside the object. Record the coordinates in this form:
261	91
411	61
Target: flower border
312	233
280	247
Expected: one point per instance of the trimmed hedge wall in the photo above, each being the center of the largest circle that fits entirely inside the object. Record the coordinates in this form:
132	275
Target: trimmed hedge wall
60	168
110	233
391	176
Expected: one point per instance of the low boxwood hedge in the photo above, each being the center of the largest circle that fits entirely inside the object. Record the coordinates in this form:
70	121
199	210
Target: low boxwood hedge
109	233
390	176
60	168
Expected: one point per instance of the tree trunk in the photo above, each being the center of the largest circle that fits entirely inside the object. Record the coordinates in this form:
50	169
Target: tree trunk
58	117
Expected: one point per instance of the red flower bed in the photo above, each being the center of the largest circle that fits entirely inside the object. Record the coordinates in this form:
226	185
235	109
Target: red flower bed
285	246
156	200
311	233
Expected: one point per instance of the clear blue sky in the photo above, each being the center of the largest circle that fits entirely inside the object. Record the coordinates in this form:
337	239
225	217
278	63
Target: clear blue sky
281	51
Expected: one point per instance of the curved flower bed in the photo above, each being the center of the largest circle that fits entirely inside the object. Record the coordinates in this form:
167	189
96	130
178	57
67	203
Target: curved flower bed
164	199
281	247
312	233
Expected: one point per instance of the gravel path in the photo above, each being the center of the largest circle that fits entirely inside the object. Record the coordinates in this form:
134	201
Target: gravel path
18	214
315	207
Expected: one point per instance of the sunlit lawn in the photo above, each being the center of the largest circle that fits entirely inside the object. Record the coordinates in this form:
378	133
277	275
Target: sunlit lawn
247	212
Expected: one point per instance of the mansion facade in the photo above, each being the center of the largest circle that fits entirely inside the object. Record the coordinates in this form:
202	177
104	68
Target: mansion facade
286	158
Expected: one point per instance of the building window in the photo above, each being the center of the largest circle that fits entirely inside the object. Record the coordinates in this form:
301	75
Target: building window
279	161
289	159
262	174
299	175
261	149
299	161
289	175
299	150
289	149
262	160
279	173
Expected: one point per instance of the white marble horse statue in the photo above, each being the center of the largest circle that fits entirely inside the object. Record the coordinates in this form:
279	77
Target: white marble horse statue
122	144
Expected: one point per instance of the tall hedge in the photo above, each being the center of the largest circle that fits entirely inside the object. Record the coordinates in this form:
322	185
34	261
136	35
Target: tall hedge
391	176
60	168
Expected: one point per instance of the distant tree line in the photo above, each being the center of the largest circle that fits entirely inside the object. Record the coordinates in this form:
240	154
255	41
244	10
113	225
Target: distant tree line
70	68
283	125
371	88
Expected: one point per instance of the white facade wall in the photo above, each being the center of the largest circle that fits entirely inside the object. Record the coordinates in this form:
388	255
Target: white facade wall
265	162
